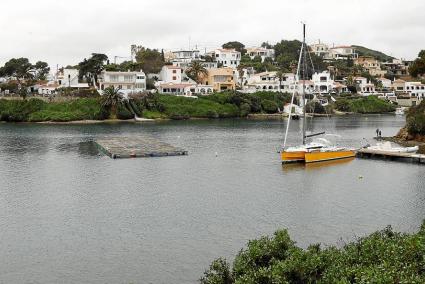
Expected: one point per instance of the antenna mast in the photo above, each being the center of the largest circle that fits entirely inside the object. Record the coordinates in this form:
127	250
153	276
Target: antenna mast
303	50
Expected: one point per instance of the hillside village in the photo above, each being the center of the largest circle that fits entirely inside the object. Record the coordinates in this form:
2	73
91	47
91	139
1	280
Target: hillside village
338	71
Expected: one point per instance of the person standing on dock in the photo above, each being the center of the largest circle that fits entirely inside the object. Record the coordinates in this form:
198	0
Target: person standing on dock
377	132
380	134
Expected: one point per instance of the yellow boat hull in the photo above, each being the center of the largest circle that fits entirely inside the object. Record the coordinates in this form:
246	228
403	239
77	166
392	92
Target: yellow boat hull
293	157
313	157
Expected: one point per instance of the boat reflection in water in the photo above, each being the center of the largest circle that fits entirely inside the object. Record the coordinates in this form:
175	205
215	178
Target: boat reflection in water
315	166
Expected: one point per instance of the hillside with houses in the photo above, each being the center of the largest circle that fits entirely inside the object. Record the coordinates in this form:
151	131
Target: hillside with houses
338	71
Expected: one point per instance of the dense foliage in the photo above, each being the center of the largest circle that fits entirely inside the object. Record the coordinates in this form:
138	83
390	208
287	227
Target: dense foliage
418	66
363	51
90	68
22	69
226	104
382	257
415	120
38	110
150	60
235	45
370	104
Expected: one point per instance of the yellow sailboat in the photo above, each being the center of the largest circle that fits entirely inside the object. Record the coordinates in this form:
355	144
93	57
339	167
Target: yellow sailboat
314	151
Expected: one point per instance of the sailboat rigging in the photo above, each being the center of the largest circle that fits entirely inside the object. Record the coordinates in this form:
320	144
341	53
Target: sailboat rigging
313	151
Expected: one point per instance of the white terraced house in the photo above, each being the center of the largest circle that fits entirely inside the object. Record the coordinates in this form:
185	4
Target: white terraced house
227	57
171	74
69	78
183	58
415	89
185	89
322	82
127	82
320	49
261	52
266	81
343	52
366	88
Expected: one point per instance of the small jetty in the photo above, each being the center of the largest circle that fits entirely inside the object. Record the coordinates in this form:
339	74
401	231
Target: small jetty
136	147
391	156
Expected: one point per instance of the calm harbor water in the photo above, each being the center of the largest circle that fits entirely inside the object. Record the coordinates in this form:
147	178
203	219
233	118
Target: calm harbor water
71	215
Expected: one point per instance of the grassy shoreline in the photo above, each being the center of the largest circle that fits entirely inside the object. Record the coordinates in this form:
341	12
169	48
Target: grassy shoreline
260	105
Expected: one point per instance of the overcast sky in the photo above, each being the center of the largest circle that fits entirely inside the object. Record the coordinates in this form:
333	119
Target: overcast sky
64	32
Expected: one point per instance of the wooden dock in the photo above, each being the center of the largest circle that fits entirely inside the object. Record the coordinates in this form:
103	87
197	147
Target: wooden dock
391	156
136	147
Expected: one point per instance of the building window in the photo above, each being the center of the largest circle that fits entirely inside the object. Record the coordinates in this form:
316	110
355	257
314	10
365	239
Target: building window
128	78
113	78
174	71
174	78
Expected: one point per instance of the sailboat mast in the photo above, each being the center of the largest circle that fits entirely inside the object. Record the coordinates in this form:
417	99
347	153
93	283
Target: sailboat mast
303	50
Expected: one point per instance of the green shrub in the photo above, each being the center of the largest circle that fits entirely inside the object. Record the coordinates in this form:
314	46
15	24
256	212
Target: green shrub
245	109
269	106
38	110
315	107
382	257
370	104
124	112
415	119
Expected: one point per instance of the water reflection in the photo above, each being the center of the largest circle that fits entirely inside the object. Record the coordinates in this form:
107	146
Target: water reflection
86	149
20	144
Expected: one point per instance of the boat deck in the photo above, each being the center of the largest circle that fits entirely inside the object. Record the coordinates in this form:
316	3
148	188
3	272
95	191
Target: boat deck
391	156
136	147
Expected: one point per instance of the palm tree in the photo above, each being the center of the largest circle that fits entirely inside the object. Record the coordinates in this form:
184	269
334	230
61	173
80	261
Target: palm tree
196	71
111	99
241	72
280	74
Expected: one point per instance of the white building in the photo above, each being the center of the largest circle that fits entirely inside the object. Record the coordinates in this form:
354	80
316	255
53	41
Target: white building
322	82
227	57
288	82
185	89
365	87
320	49
47	89
171	74
415	89
386	83
68	78
183	58
341	53
261	52
127	82
266	81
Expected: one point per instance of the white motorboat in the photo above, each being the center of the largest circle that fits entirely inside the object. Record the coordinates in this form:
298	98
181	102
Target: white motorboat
388	147
399	111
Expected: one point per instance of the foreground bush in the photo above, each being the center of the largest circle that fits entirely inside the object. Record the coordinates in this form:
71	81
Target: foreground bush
382	257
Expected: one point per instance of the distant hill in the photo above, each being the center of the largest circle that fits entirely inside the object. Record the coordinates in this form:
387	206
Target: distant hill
364	51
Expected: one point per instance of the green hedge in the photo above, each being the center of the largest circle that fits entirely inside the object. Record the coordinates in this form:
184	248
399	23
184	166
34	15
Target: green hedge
37	110
370	104
219	105
382	257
